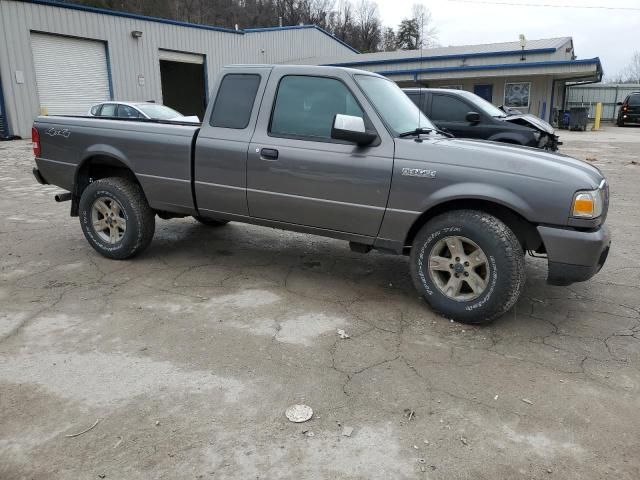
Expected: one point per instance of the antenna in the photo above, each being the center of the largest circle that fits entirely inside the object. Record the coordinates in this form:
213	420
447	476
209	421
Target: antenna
421	40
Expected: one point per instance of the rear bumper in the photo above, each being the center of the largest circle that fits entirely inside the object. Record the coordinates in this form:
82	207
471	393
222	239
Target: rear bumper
574	256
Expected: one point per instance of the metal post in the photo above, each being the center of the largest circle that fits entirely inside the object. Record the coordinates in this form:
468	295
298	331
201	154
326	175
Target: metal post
596	120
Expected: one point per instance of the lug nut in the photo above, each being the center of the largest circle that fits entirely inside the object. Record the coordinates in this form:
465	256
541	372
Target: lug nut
466	274
457	259
466	264
451	265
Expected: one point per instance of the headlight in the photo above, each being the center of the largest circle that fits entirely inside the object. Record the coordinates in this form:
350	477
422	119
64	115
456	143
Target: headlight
588	204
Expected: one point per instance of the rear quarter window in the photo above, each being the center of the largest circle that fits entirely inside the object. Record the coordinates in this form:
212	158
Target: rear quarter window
94	109
634	101
235	99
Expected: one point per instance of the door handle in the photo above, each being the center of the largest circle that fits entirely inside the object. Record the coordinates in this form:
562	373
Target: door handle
269	154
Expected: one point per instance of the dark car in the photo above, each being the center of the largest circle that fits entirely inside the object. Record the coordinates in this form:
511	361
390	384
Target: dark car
466	115
629	110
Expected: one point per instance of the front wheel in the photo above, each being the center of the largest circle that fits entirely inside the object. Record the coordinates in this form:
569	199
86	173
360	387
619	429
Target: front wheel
468	265
115	217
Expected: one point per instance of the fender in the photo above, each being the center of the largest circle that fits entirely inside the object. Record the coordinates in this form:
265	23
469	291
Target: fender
397	224
478	191
97	150
104	150
509	137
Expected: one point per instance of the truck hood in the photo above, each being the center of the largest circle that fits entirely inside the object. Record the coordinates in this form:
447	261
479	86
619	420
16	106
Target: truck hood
504	158
529	120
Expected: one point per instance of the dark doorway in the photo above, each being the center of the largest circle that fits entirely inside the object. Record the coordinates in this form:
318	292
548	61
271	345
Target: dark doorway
484	91
183	87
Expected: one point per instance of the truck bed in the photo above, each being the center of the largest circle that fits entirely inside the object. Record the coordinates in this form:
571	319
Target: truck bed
158	152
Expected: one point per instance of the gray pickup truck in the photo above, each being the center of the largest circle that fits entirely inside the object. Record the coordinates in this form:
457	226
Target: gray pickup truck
344	154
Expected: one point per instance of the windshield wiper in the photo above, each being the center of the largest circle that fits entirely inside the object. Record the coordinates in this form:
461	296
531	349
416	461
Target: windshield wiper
420	130
416	132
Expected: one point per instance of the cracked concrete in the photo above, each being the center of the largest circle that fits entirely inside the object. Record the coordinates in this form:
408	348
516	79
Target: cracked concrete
190	354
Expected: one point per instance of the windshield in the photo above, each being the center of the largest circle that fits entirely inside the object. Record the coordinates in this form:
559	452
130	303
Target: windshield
396	109
487	107
158	112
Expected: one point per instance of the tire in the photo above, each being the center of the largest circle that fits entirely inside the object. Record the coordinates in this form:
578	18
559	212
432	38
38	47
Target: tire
210	222
499	278
125	221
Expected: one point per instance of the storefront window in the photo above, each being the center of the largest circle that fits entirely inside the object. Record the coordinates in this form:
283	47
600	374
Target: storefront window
517	94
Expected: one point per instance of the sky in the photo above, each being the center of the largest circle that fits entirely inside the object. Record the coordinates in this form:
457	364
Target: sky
612	35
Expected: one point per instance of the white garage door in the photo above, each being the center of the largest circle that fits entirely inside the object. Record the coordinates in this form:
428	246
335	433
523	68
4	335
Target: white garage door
71	73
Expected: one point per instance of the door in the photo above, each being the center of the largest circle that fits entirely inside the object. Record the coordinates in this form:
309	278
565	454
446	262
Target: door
71	73
298	174
220	165
449	113
484	91
182	77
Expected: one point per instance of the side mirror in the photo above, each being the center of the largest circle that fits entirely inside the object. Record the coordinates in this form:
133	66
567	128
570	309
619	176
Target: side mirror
473	117
351	129
619	104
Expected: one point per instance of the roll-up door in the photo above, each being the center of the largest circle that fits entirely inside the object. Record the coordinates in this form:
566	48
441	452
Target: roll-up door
71	73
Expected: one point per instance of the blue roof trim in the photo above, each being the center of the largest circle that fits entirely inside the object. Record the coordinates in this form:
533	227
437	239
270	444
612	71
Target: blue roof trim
590	61
300	27
116	13
533	51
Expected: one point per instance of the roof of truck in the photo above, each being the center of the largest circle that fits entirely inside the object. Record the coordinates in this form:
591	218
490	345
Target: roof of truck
310	68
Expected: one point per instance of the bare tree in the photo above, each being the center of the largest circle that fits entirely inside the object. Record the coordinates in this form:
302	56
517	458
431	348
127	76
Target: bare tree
427	32
368	25
632	72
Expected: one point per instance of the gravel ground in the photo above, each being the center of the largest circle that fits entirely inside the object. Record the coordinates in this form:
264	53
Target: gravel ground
189	355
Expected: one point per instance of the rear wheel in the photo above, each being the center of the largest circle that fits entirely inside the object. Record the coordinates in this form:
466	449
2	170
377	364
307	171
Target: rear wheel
116	218
468	265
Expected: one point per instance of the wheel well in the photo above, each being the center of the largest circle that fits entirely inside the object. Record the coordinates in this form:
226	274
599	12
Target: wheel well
95	168
526	232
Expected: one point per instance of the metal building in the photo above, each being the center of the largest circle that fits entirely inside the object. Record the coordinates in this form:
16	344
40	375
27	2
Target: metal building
59	58
609	94
529	76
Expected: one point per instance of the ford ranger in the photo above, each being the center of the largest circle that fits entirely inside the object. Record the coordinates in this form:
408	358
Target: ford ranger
345	154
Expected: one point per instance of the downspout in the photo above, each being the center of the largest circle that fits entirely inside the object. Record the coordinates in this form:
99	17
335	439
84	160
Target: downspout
3	109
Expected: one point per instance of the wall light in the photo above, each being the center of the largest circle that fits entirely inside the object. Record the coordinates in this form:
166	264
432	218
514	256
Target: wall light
136	34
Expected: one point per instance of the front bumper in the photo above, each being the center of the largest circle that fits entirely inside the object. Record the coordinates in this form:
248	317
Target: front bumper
574	255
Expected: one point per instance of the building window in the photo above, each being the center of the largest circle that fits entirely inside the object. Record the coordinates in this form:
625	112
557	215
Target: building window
517	94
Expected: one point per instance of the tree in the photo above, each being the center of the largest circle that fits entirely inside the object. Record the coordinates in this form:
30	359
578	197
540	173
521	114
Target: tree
427	32
632	72
368	27
389	40
408	35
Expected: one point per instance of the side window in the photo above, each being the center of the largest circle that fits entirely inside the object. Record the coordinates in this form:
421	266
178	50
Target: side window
305	106
108	110
125	111
235	99
448	108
